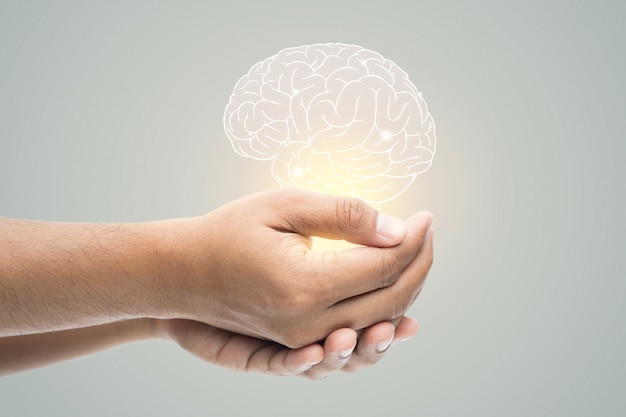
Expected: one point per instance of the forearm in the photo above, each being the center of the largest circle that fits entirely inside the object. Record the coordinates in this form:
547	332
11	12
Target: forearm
21	353
56	276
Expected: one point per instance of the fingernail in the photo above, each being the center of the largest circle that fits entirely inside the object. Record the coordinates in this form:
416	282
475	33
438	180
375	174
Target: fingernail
390	227
345	353
383	345
308	366
396	341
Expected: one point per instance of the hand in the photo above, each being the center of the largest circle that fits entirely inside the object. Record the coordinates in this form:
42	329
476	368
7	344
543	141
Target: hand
220	347
340	351
248	267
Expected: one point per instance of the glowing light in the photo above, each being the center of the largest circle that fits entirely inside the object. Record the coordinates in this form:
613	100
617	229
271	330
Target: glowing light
297	172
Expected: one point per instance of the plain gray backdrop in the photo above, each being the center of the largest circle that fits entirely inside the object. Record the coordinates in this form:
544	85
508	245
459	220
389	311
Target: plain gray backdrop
112	111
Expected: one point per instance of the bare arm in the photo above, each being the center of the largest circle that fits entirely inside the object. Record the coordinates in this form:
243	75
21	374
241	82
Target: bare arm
57	276
21	353
216	346
246	268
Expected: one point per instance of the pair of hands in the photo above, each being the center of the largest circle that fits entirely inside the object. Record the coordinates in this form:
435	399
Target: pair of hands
270	284
240	287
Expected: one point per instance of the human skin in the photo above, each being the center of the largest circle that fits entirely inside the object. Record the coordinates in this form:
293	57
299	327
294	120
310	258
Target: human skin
215	346
300	295
246	268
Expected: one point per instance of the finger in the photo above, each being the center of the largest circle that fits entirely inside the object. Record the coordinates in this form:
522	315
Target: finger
357	271
372	346
248	354
375	341
390	302
243	353
290	361
335	217
338	349
406	329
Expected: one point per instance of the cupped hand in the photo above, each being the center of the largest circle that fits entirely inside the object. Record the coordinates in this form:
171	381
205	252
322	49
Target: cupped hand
339	352
249	268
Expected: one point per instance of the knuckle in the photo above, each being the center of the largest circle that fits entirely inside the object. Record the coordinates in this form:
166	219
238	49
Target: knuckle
389	269
317	286
351	213
289	292
322	285
293	303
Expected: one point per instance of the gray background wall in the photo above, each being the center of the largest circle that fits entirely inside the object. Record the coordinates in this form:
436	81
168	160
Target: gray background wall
111	111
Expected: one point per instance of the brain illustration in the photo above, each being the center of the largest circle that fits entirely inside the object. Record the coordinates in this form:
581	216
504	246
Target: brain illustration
333	118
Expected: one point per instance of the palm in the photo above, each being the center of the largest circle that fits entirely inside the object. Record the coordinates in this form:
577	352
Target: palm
247	354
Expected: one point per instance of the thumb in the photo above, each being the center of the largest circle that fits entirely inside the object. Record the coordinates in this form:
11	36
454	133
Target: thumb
337	217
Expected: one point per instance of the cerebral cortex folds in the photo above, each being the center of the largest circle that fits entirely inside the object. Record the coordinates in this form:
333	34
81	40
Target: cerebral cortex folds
333	118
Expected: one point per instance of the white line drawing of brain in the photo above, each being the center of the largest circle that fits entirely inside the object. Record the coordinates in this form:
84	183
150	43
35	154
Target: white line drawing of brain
333	118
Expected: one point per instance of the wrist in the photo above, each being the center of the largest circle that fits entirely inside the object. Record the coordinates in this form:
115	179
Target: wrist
159	276
143	267
179	263
156	328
